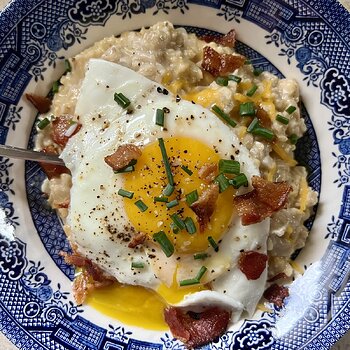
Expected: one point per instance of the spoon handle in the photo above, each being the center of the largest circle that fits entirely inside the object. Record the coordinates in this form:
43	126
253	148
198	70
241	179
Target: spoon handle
21	153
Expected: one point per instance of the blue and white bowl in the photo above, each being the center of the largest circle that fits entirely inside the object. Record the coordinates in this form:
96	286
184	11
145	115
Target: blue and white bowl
306	40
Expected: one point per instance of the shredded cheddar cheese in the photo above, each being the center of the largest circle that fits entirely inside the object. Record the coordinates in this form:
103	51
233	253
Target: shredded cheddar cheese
283	154
303	192
297	267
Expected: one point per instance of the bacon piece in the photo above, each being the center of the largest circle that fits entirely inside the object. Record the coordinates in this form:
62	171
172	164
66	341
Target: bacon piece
60	125
138	239
64	204
123	156
252	264
196	329
220	63
265	199
52	170
263	117
41	103
208	172
276	294
279	276
228	39
204	206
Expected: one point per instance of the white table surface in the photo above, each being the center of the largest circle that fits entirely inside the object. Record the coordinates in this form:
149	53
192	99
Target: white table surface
343	344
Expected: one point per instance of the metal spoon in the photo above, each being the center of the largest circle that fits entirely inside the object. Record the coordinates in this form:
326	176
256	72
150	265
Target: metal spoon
21	153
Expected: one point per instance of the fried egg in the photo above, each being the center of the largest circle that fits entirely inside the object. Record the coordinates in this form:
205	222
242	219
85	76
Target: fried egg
102	222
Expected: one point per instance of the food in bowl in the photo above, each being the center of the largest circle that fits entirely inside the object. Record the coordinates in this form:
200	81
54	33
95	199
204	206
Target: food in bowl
180	175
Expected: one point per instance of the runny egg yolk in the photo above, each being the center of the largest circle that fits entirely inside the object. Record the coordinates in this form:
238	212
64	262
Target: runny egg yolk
149	180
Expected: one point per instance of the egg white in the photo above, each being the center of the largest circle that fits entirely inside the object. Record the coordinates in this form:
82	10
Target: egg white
97	217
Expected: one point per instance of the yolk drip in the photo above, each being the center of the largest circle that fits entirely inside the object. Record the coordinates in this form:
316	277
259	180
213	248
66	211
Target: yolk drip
149	179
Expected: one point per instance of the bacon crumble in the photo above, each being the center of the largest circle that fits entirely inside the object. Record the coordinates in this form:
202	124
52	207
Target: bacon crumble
41	103
60	125
276	294
252	264
53	170
138	239
228	40
196	329
122	157
265	199
208	172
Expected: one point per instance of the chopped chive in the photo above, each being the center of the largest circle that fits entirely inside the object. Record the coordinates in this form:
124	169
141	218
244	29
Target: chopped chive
257	71
166	161
200	256
222	181
43	123
222	81
189	282
252	90
186	170
137	265
229	166
161	199
235	78
142	206
201	272
164	243
191	197
174	228
122	100
67	66
254	124
248	62
168	190
127	169
172	204
219	112
263	132
160	117
293	139
178	221
247	109
190	226
282	119
291	109
55	86
213	243
125	193
239	180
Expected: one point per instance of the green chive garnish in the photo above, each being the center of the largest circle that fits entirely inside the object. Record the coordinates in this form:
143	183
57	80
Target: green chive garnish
186	170
291	109
293	139
55	86
201	272
282	119
168	190
125	193
248	62
191	197
122	100
43	123
213	243
222	181
247	109
200	256
142	206
190	226
229	166
222	81
127	169
234	78
67	66
178	221
195	280
172	204
164	243
239	180
160	117
254	124
137	265
174	228
257	71
166	162
161	199
252	90
263	132
220	113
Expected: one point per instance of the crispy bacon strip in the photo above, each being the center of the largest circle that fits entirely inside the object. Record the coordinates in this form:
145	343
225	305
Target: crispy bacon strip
228	39
196	329
205	205
263	117
279	276
276	294
60	125
123	156
208	172
252	264
138	239
52	170
220	64
41	103
265	199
